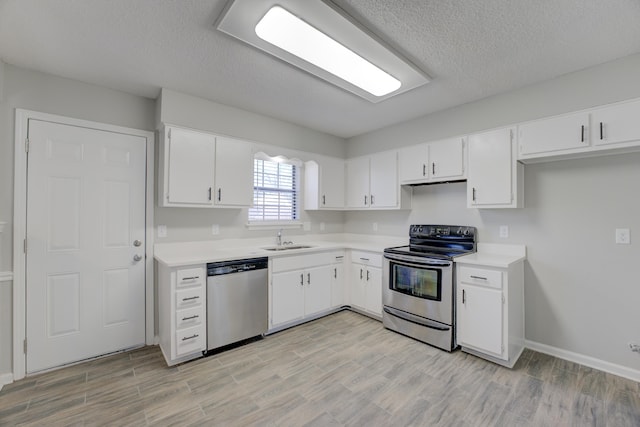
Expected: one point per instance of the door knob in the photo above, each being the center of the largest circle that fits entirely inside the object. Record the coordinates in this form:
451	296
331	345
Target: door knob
137	242
137	257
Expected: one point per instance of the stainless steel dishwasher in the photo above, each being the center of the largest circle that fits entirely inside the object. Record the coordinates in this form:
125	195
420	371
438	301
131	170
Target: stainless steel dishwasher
237	301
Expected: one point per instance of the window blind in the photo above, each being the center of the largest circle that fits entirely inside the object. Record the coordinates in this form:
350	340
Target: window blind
275	195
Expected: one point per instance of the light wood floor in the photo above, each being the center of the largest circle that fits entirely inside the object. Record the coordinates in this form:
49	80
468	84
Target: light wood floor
344	369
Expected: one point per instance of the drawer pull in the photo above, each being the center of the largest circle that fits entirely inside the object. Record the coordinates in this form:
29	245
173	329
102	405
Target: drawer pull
190	298
364	259
478	277
190	278
194	336
195	316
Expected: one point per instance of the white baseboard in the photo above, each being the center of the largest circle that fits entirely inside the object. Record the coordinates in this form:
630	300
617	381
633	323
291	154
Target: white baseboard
5	379
592	362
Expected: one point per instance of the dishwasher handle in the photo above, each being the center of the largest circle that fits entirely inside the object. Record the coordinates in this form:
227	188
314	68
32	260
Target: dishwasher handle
236	266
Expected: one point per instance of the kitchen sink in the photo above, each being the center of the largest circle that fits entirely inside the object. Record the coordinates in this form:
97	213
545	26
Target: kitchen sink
286	247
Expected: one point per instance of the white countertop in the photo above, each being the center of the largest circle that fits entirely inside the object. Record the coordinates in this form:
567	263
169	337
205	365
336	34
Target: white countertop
187	253
495	255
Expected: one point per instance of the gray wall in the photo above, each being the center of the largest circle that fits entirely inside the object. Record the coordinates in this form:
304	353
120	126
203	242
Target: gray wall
581	289
275	136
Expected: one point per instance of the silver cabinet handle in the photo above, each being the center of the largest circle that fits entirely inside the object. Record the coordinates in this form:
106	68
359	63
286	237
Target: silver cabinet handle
372	199
194	336
433	168
424	169
365	200
209	193
473	194
301	279
195	316
364	259
360	274
137	257
137	242
368	272
324	199
308	278
582	133
190	298
219	194
601	131
335	273
190	278
478	277
464	297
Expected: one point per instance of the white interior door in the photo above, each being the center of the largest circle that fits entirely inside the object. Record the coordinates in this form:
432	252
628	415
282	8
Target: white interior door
85	290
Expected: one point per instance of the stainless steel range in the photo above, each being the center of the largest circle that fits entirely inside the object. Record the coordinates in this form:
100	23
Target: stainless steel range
418	292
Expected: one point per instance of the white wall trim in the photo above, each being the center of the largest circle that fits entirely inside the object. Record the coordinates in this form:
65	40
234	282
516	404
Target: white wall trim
20	216
592	362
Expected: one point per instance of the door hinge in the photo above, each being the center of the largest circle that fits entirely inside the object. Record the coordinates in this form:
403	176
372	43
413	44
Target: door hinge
25	245
26	145
24	346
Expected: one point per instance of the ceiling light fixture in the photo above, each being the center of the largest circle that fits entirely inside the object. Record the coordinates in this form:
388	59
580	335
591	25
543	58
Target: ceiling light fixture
321	39
286	31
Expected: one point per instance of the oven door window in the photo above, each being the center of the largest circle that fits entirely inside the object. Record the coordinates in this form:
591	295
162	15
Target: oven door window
418	282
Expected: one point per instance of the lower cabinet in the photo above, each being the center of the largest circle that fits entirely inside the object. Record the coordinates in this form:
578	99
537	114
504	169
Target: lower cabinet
338	288
182	312
365	285
300	287
490	312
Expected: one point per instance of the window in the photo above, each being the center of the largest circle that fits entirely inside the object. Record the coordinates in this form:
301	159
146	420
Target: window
275	191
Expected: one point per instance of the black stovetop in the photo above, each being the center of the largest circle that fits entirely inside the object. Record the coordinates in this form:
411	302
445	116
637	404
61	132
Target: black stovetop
438	241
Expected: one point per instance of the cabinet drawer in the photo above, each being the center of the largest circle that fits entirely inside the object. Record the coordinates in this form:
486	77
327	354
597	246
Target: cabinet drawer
190	276
367	258
189	317
190	340
481	276
187	298
300	262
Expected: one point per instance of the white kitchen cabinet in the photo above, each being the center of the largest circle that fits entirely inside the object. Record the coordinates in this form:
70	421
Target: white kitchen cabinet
557	134
199	169
495	178
188	158
372	183
490	311
366	282
616	124
324	184
233	173
182	312
436	161
300	288
338	282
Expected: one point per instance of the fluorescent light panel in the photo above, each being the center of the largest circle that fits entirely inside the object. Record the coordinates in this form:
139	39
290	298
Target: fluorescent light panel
327	43
286	31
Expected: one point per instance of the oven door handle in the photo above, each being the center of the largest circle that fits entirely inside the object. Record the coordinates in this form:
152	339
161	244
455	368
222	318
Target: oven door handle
416	319
417	262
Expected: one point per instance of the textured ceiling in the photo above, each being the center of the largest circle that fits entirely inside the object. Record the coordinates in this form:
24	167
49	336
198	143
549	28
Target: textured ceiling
471	48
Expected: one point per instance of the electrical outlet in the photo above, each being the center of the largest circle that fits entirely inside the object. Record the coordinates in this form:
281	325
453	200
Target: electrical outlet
634	347
623	236
215	229
162	231
322	226
375	226
504	231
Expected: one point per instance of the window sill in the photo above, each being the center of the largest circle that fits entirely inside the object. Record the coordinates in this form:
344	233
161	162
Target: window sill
273	225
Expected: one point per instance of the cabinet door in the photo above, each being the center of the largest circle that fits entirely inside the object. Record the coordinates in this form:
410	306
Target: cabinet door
412	164
287	297
480	318
384	180
358	286
332	183
190	164
233	173
616	124
373	280
317	295
555	134
337	285
446	159
358	182
490	168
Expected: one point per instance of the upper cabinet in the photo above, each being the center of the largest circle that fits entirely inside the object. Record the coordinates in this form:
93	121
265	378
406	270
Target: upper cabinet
495	177
198	169
324	185
552	135
433	162
617	124
372	183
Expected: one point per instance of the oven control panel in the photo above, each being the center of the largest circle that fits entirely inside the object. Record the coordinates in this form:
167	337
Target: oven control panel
425	231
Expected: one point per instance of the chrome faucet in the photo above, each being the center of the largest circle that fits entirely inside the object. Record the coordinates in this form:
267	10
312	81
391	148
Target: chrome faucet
279	237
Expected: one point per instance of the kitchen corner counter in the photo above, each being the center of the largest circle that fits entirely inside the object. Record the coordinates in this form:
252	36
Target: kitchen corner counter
495	255
200	252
